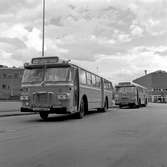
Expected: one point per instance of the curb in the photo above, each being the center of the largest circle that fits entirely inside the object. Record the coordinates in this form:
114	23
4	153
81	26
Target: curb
15	114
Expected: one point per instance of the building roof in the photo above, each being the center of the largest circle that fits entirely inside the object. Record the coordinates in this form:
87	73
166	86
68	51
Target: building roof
157	79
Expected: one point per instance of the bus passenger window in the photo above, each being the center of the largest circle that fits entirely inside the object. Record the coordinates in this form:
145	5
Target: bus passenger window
93	80
82	76
105	84
89	79
98	82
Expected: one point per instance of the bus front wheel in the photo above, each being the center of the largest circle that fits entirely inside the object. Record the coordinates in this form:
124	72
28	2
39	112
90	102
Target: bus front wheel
81	112
105	108
145	103
43	115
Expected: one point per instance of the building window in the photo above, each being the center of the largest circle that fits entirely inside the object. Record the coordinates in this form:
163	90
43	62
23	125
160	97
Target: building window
3	86
4	75
10	76
15	76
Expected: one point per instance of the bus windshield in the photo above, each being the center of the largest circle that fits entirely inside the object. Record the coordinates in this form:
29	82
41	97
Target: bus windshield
58	74
50	74
33	75
126	90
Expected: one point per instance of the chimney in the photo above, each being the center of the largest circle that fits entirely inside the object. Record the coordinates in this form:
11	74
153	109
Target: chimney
145	71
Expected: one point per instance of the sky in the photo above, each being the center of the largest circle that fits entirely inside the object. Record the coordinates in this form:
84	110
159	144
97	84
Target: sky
117	39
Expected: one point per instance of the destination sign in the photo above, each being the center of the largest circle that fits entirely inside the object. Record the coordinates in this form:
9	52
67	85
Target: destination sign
45	60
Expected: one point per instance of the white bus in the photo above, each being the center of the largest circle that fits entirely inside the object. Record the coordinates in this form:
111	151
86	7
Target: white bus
130	94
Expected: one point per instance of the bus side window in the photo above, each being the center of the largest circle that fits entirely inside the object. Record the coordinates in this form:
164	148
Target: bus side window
105	84
89	78
94	80
98	82
111	86
72	74
82	76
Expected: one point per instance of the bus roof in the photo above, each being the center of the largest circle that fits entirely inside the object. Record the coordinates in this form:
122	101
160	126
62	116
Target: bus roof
52	61
129	84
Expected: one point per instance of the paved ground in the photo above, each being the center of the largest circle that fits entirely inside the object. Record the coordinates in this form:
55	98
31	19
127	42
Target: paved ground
119	138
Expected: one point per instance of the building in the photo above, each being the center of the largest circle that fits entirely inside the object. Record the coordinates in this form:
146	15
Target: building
10	82
156	82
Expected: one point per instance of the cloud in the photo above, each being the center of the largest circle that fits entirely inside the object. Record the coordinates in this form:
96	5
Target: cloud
11	42
34	39
122	38
7	5
136	30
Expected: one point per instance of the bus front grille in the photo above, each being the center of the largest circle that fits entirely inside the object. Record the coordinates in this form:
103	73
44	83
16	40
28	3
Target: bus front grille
42	99
124	99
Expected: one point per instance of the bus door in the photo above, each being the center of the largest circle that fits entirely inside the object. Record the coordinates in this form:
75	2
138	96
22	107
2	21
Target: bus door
76	88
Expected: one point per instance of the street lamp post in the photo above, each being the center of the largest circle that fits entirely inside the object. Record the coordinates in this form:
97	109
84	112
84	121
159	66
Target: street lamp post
43	30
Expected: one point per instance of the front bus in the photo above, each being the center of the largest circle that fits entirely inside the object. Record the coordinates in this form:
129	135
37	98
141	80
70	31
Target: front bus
48	86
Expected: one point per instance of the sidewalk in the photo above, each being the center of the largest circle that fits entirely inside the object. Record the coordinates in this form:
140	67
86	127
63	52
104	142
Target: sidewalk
11	108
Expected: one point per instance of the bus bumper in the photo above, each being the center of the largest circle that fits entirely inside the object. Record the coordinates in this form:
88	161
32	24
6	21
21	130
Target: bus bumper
60	110
23	109
125	103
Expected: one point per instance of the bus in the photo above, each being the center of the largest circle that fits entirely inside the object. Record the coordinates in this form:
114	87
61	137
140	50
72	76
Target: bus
52	85
130	94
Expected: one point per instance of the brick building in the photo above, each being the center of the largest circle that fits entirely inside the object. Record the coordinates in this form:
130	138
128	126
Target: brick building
156	82
10	82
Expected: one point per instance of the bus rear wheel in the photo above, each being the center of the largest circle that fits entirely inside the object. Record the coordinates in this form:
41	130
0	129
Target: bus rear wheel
43	115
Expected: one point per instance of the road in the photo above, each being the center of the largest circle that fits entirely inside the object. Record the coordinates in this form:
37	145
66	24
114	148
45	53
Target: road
118	138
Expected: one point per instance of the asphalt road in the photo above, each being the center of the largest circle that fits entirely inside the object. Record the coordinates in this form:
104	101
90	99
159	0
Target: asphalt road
119	138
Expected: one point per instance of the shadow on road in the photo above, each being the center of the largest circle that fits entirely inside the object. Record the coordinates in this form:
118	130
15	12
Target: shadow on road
130	107
61	118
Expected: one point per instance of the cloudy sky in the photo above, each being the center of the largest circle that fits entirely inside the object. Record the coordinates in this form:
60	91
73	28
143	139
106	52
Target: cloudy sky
118	39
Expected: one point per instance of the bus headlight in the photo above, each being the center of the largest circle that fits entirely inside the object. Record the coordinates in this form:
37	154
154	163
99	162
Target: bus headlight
24	98
63	96
27	103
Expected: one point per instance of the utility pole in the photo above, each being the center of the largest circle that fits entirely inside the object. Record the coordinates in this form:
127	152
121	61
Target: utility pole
43	30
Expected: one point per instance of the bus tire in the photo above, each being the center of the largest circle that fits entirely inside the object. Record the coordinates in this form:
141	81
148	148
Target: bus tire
81	112
44	115
145	103
136	104
120	106
140	103
105	108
